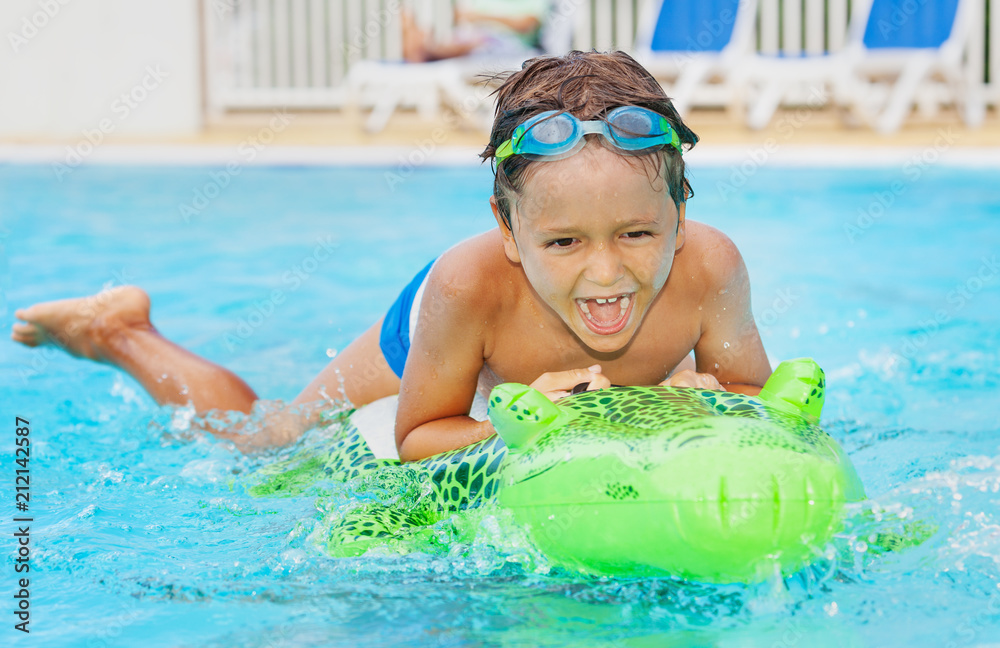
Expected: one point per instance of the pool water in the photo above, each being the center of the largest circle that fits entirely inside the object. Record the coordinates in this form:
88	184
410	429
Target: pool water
144	531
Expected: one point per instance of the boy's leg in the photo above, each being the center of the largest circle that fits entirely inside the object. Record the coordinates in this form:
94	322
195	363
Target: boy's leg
113	327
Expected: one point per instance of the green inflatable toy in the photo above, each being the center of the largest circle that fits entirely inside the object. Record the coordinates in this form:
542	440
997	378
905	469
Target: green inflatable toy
627	481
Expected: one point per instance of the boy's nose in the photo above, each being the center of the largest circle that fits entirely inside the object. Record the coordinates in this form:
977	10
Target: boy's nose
605	266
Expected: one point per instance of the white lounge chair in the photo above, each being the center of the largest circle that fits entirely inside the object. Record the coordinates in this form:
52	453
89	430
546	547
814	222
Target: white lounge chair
388	85
909	43
692	43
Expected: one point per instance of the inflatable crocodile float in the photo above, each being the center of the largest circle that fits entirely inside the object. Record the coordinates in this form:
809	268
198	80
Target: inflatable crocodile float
626	481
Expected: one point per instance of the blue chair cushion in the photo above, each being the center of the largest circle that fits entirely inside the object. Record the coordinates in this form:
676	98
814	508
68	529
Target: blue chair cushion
702	26
909	23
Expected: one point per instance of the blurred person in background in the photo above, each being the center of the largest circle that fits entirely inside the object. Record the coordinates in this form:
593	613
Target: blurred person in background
483	28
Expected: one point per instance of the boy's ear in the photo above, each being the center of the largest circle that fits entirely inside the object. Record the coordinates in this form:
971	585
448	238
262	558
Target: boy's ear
509	245
680	227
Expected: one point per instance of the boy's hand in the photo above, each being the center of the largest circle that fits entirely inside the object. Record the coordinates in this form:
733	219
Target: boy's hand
689	378
559	384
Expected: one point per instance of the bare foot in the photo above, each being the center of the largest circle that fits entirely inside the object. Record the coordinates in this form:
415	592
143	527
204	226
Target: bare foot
81	326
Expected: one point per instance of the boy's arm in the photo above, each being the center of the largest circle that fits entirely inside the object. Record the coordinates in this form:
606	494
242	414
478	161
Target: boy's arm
729	347
446	356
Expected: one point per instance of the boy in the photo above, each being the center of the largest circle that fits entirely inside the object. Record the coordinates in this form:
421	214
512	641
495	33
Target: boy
592	276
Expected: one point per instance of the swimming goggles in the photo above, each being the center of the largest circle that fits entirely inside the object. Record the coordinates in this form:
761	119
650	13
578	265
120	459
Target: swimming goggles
555	135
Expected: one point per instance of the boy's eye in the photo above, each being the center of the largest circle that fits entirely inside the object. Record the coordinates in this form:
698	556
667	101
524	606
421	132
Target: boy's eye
635	235
561	243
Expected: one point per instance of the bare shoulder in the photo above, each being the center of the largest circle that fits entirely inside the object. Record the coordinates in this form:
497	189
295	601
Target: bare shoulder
729	345
472	275
712	256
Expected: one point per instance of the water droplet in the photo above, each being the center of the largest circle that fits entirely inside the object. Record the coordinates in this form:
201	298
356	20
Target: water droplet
725	345
716	365
331	353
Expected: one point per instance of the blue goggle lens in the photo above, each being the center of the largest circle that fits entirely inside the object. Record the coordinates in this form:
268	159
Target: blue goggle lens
553	131
634	127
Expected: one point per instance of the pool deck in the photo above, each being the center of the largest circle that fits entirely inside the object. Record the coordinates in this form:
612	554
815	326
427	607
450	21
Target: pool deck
795	136
802	127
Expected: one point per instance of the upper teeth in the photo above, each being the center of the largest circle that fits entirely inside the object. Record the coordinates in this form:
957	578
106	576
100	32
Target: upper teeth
622	302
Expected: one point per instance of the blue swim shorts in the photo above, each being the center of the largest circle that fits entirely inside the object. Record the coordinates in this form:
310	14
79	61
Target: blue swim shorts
400	322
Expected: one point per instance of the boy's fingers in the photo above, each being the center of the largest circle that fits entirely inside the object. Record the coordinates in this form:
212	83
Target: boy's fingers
578	375
708	381
688	378
679	379
593	377
559	384
600	381
565	379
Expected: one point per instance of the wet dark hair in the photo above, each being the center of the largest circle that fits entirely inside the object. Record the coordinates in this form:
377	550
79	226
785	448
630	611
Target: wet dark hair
588	85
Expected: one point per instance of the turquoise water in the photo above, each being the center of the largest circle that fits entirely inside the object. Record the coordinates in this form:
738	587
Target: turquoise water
143	530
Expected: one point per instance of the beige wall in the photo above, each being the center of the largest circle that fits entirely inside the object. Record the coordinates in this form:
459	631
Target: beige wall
92	69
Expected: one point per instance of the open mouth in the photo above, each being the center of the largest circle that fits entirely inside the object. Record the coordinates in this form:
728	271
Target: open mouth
606	315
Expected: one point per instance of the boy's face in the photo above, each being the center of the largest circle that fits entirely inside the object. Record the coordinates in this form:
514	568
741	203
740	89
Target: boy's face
590	229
